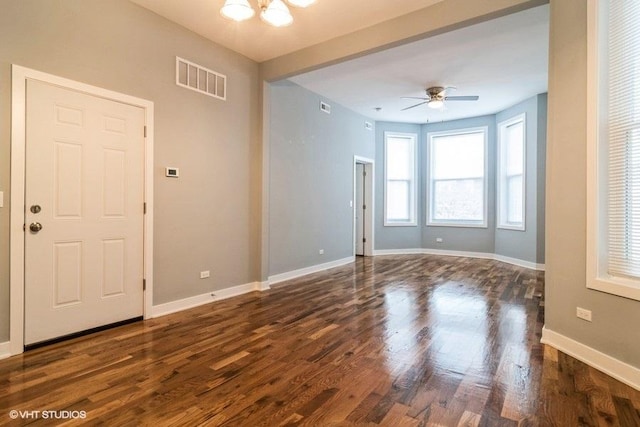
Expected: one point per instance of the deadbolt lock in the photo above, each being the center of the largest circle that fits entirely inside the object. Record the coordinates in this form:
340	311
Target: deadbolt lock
35	209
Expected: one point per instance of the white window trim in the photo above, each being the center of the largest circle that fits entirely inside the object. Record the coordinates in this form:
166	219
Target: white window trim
429	204
414	193
503	125
597	276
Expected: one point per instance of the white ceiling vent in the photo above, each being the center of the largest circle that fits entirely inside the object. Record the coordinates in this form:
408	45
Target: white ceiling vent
196	77
325	107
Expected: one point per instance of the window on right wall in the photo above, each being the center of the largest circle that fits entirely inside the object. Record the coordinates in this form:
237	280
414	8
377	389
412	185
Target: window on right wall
511	173
613	155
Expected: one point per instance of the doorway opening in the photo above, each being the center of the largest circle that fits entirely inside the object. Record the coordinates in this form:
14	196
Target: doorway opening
363	191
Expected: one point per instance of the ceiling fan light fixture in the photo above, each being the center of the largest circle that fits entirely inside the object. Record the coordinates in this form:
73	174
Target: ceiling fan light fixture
301	3
237	10
435	104
277	14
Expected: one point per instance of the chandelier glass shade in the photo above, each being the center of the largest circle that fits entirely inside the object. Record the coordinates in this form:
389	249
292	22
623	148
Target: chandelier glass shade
273	12
238	10
276	14
301	3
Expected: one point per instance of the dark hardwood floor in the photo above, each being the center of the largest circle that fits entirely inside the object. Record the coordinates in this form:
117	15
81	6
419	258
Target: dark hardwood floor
393	341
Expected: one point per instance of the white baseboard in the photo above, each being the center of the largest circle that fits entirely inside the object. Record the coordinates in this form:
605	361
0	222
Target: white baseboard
380	252
465	254
198	300
623	372
277	278
262	286
519	262
481	255
5	349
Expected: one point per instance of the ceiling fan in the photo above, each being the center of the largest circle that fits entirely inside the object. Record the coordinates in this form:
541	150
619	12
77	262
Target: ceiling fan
436	96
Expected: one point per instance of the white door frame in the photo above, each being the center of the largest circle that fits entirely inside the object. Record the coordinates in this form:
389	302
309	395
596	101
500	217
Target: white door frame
20	75
369	165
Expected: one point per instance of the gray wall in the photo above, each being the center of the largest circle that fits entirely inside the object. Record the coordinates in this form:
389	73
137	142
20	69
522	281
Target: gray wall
542	176
311	177
518	244
203	220
527	245
613	329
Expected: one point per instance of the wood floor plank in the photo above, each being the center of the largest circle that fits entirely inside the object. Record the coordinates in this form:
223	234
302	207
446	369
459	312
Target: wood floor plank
415	340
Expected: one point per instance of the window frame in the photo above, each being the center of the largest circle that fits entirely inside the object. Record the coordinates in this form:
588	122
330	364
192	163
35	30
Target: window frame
413	191
429	182
597	159
502	126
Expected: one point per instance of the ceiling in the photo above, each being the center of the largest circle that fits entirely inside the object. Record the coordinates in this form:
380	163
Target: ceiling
320	22
504	61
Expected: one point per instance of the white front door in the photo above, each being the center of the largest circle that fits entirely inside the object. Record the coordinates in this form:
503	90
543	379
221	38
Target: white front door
85	188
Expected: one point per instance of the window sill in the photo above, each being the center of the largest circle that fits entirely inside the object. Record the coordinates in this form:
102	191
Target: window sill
456	224
511	227
625	288
400	224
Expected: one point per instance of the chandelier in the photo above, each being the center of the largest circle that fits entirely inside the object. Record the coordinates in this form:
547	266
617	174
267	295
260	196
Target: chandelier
273	12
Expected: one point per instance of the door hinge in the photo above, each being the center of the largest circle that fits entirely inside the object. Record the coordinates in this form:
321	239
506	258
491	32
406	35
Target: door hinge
145	131
364	240
364	173
364	207
144	284
144	208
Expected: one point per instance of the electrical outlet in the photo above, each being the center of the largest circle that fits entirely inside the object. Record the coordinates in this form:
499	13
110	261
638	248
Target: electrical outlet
204	274
439	239
583	314
321	251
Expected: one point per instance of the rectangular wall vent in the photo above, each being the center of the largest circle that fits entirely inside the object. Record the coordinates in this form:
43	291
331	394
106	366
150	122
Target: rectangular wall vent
325	107
196	77
368	125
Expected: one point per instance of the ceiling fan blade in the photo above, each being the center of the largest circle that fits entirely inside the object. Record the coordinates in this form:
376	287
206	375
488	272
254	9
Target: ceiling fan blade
415	97
414	106
461	98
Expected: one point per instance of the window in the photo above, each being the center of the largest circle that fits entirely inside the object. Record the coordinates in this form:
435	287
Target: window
511	178
457	182
400	179
613	216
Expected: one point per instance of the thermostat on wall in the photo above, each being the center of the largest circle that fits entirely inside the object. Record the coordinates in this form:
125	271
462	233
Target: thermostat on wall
172	172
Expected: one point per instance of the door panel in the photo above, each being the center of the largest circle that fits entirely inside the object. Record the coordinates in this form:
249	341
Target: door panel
85	169
67	273
67	176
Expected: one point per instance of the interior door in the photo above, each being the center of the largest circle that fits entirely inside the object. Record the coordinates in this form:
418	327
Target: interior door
360	218
84	194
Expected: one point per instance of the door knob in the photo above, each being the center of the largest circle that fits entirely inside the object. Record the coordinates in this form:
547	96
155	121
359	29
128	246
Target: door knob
35	227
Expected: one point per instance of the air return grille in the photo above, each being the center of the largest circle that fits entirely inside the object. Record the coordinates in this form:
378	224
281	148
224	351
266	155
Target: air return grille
196	77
